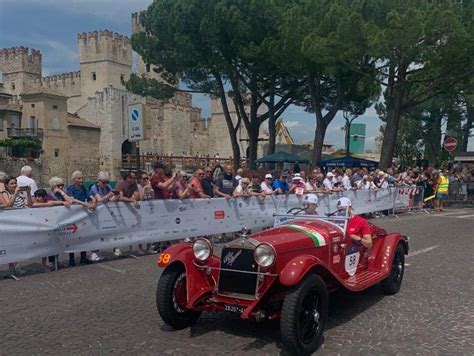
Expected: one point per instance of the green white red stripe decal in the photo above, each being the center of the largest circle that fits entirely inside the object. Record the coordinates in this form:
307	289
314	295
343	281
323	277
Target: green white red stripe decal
318	240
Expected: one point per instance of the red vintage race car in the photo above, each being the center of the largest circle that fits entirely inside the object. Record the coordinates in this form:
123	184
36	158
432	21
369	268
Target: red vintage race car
282	273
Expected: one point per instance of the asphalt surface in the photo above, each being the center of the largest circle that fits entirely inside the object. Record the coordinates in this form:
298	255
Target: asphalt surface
109	307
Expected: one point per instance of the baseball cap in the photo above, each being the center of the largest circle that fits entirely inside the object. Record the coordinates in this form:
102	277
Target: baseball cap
311	198
330	174
344	202
297	176
268	176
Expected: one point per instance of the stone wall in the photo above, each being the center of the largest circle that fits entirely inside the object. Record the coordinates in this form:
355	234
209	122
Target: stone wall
13	168
108	109
67	84
105	60
21	69
83	152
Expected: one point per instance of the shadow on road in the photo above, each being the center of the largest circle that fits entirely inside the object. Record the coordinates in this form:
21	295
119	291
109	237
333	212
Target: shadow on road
343	307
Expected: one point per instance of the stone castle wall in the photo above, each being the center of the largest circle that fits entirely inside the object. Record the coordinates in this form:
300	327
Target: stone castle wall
105	61
68	84
109	110
21	69
96	93
13	168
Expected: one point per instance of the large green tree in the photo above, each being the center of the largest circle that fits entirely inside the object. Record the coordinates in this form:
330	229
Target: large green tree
220	48
421	48
324	44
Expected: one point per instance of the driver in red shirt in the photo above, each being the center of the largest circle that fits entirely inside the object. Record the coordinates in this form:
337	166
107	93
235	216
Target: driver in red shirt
358	228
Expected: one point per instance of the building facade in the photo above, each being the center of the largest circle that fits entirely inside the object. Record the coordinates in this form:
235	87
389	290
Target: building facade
96	96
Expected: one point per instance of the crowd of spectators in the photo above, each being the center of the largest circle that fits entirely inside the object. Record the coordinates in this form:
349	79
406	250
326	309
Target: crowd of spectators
165	183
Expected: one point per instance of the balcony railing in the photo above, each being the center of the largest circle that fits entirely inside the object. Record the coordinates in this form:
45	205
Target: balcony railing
15	132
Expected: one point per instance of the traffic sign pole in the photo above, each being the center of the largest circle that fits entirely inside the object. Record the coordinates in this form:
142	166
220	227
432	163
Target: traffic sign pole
137	149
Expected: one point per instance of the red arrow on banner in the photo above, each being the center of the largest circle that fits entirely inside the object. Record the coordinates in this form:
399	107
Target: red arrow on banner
72	228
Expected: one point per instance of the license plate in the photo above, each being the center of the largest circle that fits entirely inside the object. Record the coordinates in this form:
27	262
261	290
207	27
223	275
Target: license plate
233	308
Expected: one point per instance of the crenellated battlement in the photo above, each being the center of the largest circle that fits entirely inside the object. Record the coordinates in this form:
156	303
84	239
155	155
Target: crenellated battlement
136	26
20	59
104	45
62	77
68	84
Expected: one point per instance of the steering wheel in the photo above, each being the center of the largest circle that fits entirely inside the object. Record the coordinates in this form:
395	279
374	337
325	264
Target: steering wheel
295	211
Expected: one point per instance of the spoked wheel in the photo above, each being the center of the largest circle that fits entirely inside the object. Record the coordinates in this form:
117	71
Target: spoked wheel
304	316
171	298
393	282
309	317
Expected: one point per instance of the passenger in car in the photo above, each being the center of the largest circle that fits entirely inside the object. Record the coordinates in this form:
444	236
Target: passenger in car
358	229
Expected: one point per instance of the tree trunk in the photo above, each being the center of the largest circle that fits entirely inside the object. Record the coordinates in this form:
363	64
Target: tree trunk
253	146
389	137
319	134
394	98
271	126
233	139
467	128
230	125
433	138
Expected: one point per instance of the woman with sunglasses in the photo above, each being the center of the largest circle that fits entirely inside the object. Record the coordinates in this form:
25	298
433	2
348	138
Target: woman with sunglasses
144	187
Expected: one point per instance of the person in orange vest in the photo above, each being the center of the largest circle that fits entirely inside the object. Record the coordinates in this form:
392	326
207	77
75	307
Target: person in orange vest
442	190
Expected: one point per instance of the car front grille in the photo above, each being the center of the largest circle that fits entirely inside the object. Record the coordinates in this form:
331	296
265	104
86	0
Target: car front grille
239	260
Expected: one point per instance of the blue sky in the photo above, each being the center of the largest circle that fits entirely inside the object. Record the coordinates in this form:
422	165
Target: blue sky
52	25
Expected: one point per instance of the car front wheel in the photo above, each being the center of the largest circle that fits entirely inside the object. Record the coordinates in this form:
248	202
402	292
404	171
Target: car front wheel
393	282
171	298
304	315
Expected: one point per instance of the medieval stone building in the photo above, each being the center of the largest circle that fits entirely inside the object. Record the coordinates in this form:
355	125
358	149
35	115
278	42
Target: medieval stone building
82	115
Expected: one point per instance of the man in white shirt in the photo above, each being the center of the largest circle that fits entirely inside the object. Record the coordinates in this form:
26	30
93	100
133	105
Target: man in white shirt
328	182
240	173
24	180
346	180
267	184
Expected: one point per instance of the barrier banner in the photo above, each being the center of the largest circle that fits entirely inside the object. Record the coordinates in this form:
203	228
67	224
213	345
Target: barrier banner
40	232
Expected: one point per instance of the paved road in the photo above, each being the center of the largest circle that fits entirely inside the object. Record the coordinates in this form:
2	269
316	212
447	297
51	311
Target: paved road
110	308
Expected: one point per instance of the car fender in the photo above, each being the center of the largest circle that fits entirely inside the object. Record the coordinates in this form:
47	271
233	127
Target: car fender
177	252
387	251
297	268
198	282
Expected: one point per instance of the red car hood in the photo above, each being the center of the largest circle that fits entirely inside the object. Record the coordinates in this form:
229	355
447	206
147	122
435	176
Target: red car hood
299	234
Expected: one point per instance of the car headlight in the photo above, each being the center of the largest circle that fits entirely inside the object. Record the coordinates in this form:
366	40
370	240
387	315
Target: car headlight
264	255
202	249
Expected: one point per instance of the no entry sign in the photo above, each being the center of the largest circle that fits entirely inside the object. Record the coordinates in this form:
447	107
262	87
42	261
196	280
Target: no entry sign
450	144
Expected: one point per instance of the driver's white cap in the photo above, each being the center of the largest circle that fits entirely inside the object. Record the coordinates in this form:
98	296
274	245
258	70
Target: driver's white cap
344	202
311	198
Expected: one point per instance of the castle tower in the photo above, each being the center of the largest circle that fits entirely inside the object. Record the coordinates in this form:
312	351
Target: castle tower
105	61
21	70
142	67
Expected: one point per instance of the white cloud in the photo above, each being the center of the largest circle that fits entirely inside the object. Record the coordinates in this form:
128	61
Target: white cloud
292	124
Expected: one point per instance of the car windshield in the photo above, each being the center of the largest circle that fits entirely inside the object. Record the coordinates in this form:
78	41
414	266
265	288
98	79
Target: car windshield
338	218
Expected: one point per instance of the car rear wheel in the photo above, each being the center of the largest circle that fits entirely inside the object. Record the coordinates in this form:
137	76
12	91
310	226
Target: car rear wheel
304	315
393	282
171	298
